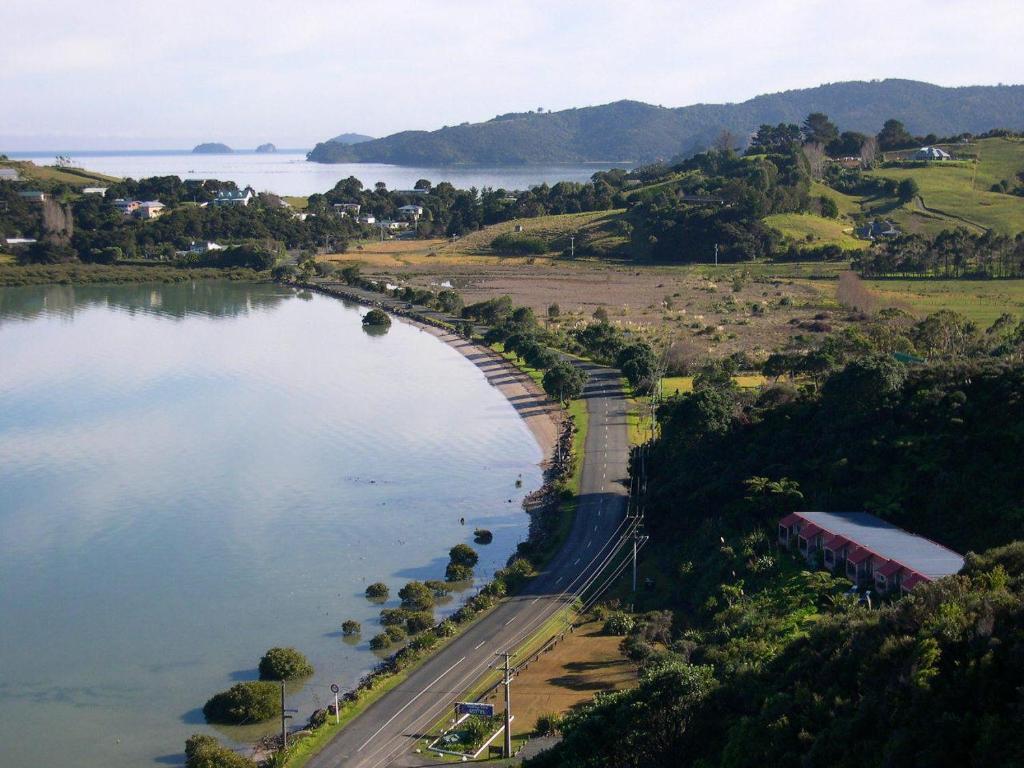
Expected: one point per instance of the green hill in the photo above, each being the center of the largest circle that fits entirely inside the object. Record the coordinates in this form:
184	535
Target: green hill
630	131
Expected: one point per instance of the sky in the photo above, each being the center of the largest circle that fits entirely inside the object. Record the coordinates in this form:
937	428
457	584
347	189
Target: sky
171	74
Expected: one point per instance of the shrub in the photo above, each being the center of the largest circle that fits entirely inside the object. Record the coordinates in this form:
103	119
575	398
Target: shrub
418	622
456	572
483	536
439	588
416	596
284	664
250	702
380	642
511	245
547	724
202	751
378	592
351	627
618	624
393	617
377	318
463	554
446	628
395	633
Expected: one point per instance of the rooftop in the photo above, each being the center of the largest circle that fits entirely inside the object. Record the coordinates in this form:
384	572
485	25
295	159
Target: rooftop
931	560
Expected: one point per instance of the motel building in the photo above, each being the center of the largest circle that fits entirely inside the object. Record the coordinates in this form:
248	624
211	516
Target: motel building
868	550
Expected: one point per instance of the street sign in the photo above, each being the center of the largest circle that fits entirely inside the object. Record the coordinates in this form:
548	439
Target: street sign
335	688
474	708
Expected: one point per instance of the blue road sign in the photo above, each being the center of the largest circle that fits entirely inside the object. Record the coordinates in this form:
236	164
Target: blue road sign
474	708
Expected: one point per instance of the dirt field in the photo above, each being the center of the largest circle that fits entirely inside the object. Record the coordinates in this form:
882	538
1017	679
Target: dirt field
569	675
712	311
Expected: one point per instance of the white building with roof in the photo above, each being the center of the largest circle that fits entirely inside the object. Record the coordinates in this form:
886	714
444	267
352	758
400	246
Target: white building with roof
932	153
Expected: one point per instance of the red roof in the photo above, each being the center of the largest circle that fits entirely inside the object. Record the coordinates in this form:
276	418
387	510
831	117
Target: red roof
889	569
913	580
835	542
811	530
790	520
858	555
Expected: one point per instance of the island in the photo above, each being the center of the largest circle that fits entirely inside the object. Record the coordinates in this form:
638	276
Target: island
211	148
266	148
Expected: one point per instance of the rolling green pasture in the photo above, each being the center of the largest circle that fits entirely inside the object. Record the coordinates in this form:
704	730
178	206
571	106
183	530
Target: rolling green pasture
980	300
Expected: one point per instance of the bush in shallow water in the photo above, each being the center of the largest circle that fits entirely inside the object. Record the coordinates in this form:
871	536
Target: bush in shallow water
395	633
351	627
378	591
419	621
456	572
202	751
250	702
393	617
417	596
284	664
377	317
380	642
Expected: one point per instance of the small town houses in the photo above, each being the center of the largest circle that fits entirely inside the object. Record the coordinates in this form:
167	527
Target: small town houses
869	551
234	196
140	209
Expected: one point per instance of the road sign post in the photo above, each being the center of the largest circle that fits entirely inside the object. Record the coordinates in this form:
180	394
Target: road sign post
474	708
337	712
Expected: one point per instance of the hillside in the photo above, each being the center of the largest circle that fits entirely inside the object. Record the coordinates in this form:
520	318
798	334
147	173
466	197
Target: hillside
212	148
630	131
350	138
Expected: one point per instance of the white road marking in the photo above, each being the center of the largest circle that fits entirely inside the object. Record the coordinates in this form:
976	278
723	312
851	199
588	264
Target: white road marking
510	621
409	703
576	561
477	648
589	542
534	600
559	580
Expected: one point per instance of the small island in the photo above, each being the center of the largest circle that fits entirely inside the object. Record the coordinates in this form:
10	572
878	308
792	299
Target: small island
211	148
266	148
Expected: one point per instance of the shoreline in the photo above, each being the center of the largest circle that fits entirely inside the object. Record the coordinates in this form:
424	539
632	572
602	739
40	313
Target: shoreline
543	417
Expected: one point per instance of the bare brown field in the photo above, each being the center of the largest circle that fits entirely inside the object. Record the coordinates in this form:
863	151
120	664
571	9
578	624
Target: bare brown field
569	675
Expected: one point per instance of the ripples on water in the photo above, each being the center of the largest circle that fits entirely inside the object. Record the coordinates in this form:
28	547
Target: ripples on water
190	474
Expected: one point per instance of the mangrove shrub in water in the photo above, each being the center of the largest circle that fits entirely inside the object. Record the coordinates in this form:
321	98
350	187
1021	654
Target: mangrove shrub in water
250	702
284	664
202	751
377	318
351	627
377	592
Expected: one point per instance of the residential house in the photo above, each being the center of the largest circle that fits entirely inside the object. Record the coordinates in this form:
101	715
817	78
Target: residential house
347	209
15	242
94	191
876	229
9	174
234	196
126	207
32	195
868	550
367	219
849	163
411	212
932	153
392	225
420	192
149	209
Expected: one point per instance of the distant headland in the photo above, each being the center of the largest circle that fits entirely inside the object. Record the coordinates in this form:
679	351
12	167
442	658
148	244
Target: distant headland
212	148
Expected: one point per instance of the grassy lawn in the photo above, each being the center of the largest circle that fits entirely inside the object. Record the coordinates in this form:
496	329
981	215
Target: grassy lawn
75	177
679	385
848	205
296	202
797	227
980	300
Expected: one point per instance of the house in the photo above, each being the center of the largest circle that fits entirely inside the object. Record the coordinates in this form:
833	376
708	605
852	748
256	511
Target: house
932	153
32	195
346	209
204	247
393	225
411	212
9	174
234	196
876	229
420	192
849	162
149	209
367	219
867	549
126	207
14	242
94	191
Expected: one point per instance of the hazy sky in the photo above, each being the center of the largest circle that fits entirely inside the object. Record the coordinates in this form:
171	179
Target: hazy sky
146	74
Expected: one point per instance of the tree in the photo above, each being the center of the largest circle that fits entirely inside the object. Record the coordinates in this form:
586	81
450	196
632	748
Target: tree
284	664
554	311
829	207
463	554
818	129
894	136
417	596
351	627
377	318
638	363
907	190
422	184
202	751
564	381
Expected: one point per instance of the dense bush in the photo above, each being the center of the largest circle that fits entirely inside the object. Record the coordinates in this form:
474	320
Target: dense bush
284	664
378	592
377	318
202	751
417	596
250	702
380	641
351	627
518	245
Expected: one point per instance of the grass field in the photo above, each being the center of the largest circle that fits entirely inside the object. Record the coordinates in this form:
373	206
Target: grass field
958	193
75	177
980	300
798	227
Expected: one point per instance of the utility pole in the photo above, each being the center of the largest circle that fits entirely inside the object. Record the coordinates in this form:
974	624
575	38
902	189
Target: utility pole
716	254
572	246
508	703
285	717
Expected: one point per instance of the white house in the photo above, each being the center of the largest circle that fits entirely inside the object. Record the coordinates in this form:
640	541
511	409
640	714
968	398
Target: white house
932	153
393	225
204	247
346	209
94	191
367	219
411	212
235	196
8	174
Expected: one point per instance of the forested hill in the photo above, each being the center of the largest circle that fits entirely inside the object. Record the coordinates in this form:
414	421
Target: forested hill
636	132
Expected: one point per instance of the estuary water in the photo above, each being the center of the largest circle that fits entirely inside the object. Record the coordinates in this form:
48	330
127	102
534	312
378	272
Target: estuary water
193	473
289	173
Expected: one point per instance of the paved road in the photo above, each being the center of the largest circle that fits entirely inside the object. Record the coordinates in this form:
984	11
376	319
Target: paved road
385	734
